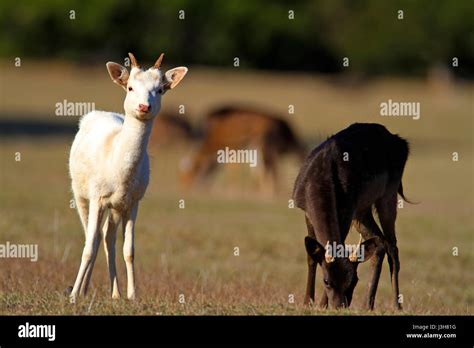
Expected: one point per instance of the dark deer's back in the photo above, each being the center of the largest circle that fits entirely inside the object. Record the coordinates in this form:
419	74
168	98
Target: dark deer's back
357	165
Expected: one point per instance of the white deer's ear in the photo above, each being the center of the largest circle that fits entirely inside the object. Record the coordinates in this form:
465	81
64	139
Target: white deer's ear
173	77
118	73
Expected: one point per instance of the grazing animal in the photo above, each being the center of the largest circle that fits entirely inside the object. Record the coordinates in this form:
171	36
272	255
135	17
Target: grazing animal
240	128
340	182
109	167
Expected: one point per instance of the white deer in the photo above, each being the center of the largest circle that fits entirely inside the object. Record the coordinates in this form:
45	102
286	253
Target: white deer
109	168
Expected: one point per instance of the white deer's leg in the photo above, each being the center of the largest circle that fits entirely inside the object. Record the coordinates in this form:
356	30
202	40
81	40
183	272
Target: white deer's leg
128	221
83	210
87	277
95	214
110	233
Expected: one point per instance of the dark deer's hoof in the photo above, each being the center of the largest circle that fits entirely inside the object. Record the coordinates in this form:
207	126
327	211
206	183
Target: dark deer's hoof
68	291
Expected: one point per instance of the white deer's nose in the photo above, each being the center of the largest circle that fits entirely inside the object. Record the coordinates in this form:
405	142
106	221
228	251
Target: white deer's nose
143	107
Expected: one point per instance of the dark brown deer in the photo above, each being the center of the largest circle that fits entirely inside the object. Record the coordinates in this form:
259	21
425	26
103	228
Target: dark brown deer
339	183
239	128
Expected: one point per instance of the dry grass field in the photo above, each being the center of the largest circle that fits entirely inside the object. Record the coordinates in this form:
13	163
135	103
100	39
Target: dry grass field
191	251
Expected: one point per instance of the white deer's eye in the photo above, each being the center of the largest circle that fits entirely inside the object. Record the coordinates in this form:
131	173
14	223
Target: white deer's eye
130	89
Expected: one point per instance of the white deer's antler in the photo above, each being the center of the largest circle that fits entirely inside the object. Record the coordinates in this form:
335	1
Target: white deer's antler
158	61
133	60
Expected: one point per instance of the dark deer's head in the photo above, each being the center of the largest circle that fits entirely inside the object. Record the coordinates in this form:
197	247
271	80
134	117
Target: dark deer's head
340	272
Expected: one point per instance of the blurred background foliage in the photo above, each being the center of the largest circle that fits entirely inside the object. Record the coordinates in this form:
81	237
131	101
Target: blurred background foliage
258	32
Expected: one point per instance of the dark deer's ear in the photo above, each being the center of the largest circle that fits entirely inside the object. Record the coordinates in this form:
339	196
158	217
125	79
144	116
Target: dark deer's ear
366	250
314	249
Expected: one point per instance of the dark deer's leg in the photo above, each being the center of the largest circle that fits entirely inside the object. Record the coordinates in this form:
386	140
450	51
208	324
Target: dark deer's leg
310	284
324	300
368	228
387	210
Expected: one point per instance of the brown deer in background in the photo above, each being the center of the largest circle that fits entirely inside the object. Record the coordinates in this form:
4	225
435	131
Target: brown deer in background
239	128
340	181
171	129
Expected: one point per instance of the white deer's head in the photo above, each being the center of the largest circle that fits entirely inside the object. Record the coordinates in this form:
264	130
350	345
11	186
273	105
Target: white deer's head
144	87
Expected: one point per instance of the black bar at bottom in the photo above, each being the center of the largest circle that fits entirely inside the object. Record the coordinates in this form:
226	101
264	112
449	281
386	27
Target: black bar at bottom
291	330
